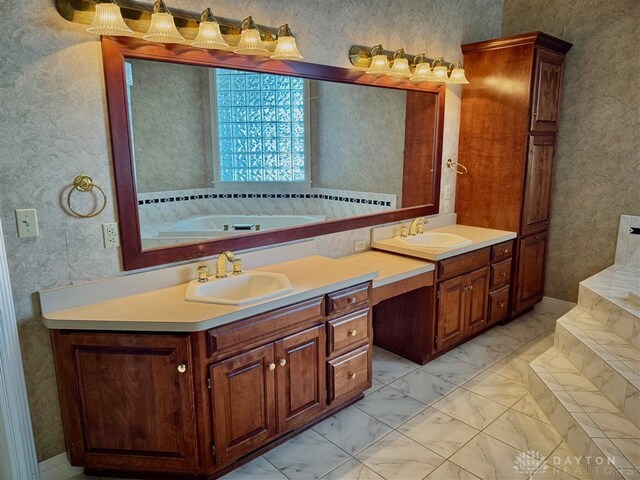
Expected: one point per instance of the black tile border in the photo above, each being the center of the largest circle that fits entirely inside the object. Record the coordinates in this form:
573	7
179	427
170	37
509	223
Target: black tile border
296	196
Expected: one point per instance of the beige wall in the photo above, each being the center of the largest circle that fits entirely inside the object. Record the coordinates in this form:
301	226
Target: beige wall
171	128
597	175
54	126
357	137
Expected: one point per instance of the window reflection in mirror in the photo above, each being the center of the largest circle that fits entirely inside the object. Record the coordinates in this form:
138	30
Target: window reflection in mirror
221	152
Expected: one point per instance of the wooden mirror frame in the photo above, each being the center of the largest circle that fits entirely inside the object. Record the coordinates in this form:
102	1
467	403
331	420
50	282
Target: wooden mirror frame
115	50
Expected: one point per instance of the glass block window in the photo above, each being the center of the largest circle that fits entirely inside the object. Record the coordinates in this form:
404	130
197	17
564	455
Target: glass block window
261	127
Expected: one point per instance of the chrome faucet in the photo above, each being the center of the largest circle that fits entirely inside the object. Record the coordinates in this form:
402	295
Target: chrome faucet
417	226
221	263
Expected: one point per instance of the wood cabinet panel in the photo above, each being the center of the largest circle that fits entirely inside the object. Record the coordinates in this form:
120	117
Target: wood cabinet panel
349	374
464	263
451	312
476	292
301	381
536	208
500	274
133	394
244	414
531	267
545	108
348	331
498	304
343	301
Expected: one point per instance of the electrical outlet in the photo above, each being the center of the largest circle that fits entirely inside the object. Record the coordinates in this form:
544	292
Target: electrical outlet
447	192
110	235
360	246
27	221
447	206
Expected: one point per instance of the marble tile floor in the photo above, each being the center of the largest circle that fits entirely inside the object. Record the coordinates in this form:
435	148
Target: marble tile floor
465	415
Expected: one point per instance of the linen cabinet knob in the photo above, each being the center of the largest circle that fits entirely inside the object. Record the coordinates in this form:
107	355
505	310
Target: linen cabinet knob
352	333
182	368
282	362
352	375
272	366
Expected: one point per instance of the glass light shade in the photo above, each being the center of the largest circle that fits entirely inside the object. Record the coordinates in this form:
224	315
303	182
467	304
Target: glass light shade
379	65
286	49
163	29
108	21
440	74
209	36
457	77
422	73
250	43
400	68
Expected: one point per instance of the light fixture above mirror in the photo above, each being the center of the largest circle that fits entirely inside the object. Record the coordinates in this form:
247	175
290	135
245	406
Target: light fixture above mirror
399	64
108	21
163	27
209	35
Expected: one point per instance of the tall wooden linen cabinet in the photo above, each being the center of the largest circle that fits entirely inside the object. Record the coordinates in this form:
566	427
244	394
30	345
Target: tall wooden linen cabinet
508	130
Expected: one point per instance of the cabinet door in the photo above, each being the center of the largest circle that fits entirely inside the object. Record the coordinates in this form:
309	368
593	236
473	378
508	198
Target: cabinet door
545	108
301	382
476	292
128	400
537	185
530	277
450	328
243	393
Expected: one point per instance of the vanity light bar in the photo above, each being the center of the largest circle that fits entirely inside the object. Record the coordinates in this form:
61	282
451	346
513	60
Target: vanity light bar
159	25
418	68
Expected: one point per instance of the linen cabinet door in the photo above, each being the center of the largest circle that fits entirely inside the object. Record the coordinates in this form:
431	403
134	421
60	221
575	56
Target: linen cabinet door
531	267
127	400
545	108
451	308
301	382
243	396
536	207
476	293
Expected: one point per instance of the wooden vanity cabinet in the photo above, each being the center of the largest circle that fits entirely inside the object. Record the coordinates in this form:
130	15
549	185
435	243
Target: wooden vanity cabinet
508	128
130	400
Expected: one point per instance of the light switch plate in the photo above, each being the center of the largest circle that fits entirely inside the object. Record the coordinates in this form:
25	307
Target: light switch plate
27	221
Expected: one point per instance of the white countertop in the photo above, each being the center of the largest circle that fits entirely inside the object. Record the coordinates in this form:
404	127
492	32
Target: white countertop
166	310
391	267
480	238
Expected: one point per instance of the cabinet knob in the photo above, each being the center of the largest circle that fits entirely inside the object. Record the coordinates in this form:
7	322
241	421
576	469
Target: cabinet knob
272	366
182	368
470	287
352	333
505	250
352	300
282	362
502	274
352	375
501	304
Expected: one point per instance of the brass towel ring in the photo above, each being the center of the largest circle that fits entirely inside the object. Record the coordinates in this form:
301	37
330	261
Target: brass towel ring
457	167
84	183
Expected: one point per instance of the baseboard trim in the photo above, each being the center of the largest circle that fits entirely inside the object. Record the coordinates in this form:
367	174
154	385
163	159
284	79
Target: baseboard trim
555	305
58	468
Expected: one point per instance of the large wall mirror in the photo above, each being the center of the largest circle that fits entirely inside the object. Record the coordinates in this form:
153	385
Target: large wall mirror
216	151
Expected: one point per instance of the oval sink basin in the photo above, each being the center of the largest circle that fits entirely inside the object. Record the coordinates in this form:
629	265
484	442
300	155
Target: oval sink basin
434	240
248	287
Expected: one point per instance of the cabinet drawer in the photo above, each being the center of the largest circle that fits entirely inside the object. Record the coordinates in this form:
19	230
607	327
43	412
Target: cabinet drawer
468	262
265	327
498	303
344	332
502	251
348	299
500	274
349	374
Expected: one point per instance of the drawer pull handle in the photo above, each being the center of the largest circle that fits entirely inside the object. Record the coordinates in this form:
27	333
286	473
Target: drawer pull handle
505	250
502	274
352	300
501	304
470	287
282	362
272	366
352	375
352	333
182	368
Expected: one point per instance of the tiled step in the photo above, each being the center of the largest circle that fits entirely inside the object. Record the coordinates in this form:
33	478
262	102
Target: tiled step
600	434
607	360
